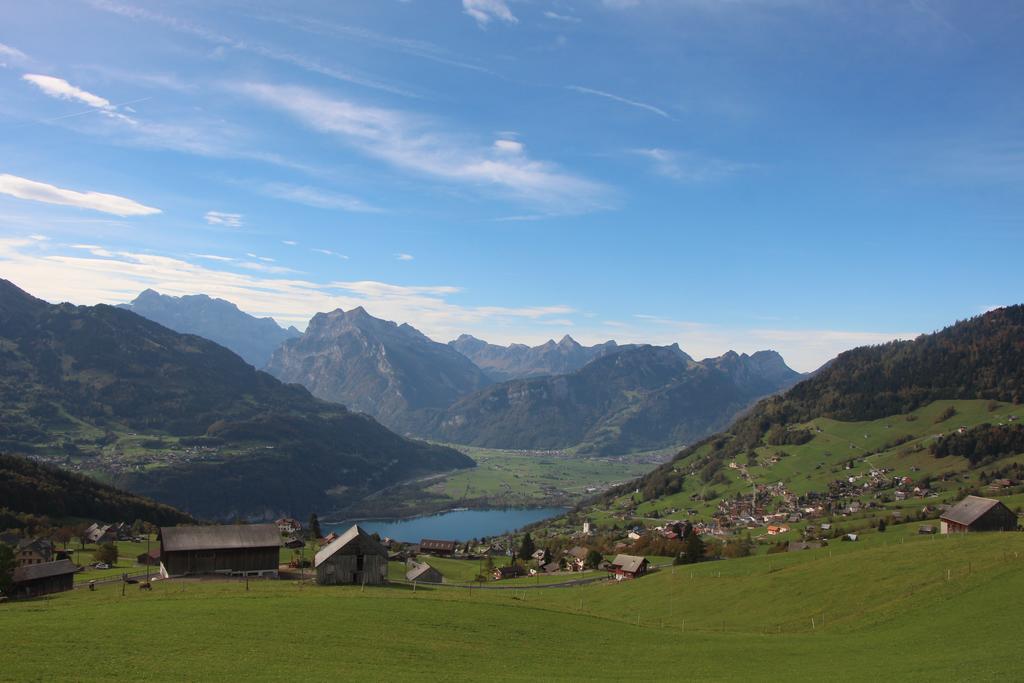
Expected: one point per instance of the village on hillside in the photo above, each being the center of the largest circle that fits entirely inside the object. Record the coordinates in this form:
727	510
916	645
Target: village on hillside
139	554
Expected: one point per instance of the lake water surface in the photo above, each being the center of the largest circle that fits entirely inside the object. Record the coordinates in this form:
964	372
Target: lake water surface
455	525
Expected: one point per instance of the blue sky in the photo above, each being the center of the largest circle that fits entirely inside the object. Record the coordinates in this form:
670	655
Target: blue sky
803	175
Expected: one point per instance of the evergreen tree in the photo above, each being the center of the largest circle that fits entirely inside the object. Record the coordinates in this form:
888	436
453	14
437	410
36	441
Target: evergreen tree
694	551
6	568
594	559
314	527
527	547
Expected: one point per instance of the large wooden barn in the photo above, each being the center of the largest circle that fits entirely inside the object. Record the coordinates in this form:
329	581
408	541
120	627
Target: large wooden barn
355	557
33	580
974	513
240	549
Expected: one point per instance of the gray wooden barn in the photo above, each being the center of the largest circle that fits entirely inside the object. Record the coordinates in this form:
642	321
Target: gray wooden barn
355	557
240	549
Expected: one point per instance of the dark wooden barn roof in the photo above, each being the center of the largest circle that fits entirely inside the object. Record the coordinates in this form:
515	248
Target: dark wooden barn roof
177	538
44	570
968	510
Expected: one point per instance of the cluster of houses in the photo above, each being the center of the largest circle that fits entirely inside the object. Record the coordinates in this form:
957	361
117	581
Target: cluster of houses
356	557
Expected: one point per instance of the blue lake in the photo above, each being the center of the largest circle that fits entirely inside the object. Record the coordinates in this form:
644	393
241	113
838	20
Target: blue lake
456	525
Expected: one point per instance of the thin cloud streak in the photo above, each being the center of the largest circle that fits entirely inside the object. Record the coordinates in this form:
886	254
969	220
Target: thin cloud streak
633	103
295	59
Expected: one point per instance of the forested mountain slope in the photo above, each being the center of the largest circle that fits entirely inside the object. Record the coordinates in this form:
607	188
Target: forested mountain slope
182	419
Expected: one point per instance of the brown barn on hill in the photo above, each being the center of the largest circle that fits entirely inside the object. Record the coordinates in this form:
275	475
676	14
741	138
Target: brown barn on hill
239	549
978	514
355	557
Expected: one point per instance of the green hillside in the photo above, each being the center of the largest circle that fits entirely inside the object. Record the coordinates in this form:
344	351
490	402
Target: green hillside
178	418
936	609
29	488
894	430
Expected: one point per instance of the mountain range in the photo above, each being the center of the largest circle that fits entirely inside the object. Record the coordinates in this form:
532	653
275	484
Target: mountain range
393	372
518	361
639	398
252	338
555	395
183	420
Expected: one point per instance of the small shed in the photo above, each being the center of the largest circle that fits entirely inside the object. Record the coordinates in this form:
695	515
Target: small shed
354	557
421	572
628	567
974	513
33	580
151	558
435	547
240	549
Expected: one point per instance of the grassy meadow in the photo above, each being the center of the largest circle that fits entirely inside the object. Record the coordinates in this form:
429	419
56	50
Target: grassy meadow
944	609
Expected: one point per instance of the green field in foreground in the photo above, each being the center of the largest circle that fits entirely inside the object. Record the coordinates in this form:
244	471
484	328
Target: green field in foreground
939	610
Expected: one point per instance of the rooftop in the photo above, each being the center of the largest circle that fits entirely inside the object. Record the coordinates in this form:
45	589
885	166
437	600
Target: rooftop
177	538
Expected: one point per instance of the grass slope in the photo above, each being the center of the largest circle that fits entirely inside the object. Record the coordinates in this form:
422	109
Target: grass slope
889	611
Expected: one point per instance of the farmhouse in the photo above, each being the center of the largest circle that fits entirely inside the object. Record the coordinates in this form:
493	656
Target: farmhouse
101	534
33	551
435	547
244	549
628	567
511	571
576	558
41	579
423	572
978	514
355	557
288	525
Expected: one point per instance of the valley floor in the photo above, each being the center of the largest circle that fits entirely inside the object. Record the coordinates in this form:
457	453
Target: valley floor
506	478
943	609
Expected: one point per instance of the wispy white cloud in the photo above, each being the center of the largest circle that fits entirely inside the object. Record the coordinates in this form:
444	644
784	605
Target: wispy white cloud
33	190
290	243
328	252
304	62
87	279
508	146
562	17
61	89
416	48
228	220
404	257
11	54
420	144
484	11
632	103
213	257
266	267
319	198
687	167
